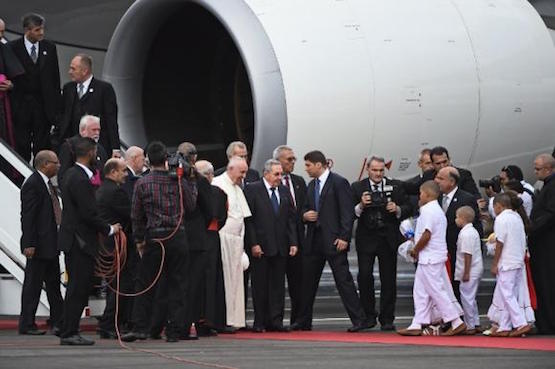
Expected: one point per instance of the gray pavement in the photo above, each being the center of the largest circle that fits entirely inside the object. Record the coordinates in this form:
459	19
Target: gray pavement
21	352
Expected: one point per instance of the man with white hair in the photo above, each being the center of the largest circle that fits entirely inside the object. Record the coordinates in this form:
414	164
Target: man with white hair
135	161
231	236
542	244
239	149
89	126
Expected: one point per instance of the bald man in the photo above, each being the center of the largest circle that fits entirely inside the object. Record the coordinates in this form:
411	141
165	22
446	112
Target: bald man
453	198
135	161
40	217
542	244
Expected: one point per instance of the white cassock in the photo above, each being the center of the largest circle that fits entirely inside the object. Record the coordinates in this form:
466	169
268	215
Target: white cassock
232	245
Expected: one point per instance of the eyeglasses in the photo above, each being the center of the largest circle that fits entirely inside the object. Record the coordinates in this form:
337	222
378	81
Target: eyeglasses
291	159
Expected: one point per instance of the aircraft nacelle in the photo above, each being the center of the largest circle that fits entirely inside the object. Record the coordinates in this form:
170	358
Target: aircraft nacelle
350	77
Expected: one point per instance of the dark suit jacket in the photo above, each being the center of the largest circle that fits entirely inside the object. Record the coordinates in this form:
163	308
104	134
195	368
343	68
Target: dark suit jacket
99	100
49	78
274	233
391	224
299	186
38	223
81	221
114	206
196	221
252	175
336	215
466	182
67	158
412	188
460	199
542	218
219	207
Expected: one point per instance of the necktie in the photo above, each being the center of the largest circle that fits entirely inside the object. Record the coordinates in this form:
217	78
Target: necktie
317	194
34	56
55	203
275	203
445	203
80	91
376	188
288	185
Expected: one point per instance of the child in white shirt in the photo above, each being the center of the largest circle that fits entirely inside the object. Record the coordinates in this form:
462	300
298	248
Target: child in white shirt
431	252
468	267
508	264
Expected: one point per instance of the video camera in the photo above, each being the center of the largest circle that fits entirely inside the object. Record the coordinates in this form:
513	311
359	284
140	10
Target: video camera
179	161
494	183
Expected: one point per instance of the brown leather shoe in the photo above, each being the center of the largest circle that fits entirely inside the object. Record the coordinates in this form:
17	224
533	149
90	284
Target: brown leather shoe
453	332
470	332
521	331
410	332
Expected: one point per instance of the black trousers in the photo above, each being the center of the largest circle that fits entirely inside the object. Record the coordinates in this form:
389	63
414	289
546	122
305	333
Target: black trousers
313	264
37	271
173	284
80	268
367	251
31	127
214	302
268	290
126	285
196	282
294	274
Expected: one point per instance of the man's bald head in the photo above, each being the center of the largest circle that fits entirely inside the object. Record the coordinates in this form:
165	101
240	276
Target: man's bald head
47	162
206	169
543	166
447	178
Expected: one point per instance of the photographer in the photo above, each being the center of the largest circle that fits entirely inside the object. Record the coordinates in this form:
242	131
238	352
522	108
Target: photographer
380	204
160	202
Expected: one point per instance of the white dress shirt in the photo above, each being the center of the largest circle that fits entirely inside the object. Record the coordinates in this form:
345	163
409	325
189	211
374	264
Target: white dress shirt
29	45
323	178
269	190
85	84
290	187
446	199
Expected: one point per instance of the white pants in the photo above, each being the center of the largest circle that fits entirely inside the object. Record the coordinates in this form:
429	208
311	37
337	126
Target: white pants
231	238
511	315
431	292
468	292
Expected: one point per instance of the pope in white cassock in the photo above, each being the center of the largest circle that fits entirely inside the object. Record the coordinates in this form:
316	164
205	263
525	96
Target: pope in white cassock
231	236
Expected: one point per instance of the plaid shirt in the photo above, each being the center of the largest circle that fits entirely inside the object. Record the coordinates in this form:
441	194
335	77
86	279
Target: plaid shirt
156	202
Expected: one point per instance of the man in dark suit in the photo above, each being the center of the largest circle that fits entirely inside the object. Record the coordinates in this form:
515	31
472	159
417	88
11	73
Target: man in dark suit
453	197
329	215
271	237
135	160
114	206
36	95
40	217
88	127
88	95
238	148
78	238
412	185
196	223
214	311
440	159
542	244
380	204
297	189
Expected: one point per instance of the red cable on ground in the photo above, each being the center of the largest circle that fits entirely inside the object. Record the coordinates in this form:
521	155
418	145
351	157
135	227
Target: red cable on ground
120	242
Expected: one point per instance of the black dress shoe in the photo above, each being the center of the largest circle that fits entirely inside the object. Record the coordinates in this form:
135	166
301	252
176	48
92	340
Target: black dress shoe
279	328
204	331
106	334
172	339
256	329
228	330
358	327
76	340
33	332
133	336
55	331
300	327
387	327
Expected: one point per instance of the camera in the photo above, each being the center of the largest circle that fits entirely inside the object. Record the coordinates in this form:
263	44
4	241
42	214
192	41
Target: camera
177	161
376	213
494	183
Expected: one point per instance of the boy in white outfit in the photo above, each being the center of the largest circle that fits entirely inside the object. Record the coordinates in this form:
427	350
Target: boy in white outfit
431	252
507	264
468	267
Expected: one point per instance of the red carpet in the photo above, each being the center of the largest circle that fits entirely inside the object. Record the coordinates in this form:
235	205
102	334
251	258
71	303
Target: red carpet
535	343
87	325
